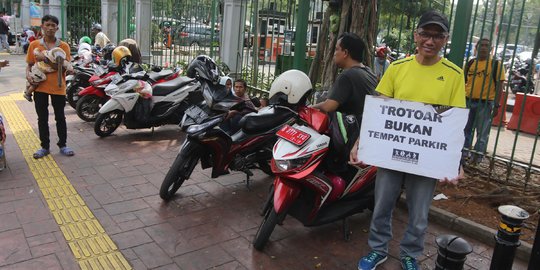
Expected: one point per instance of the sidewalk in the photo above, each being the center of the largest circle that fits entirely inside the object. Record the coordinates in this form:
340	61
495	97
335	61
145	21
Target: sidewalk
209	224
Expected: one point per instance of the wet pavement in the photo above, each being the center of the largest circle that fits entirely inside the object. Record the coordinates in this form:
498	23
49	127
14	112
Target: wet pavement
209	224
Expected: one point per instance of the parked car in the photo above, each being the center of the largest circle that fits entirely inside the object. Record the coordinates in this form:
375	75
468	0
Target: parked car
197	34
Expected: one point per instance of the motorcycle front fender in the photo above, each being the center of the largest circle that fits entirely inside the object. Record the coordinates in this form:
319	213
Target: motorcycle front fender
110	105
284	195
91	90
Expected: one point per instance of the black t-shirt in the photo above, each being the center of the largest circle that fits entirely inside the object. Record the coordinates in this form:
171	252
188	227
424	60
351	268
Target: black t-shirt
350	89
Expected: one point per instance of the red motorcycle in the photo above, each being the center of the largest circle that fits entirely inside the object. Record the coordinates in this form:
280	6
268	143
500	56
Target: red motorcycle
212	139
305	186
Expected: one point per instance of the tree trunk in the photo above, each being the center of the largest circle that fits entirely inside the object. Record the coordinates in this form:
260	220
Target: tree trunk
315	69
356	16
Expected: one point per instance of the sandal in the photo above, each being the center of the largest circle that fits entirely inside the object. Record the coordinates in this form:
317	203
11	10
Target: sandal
66	151
41	153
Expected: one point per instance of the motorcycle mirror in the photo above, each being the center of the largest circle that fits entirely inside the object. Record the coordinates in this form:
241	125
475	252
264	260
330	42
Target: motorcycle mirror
256	102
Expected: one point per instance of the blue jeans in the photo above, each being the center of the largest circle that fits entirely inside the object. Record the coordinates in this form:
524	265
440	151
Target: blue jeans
479	120
419	192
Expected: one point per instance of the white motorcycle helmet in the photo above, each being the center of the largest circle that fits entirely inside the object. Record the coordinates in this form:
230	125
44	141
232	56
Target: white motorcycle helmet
293	83
84	47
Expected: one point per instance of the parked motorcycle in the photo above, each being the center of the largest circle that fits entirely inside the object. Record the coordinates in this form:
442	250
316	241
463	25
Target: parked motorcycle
77	82
137	104
216	141
519	82
305	187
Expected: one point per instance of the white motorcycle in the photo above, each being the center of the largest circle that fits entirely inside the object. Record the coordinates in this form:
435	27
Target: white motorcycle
139	105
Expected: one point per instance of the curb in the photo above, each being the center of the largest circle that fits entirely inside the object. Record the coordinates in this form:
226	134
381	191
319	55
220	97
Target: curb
474	230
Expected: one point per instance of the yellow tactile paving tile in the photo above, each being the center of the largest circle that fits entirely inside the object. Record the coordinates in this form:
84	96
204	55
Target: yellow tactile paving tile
91	246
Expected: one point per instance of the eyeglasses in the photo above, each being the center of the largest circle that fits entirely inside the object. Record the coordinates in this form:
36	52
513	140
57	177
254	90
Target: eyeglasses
436	36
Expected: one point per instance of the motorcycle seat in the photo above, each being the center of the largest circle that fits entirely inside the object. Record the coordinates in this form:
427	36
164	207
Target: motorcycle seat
165	88
265	121
155	76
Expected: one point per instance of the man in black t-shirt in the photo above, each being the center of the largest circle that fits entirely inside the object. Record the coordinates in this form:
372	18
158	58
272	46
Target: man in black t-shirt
354	83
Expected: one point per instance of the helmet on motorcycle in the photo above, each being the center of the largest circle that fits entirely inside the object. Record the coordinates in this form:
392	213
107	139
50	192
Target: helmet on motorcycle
84	47
119	54
204	67
86	40
293	83
107	51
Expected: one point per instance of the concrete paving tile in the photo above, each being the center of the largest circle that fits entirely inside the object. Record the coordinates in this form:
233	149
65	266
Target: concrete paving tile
203	236
149	217
94	179
67	260
123	181
9	222
14	247
206	258
49	262
131	225
104	193
6	207
129	254
106	221
41	239
166	237
230	266
40	227
131	239
152	255
31	210
125	206
172	266
189	220
137	264
92	203
46	249
109	172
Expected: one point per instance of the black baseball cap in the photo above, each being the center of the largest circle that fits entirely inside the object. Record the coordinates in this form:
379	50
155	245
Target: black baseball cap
433	17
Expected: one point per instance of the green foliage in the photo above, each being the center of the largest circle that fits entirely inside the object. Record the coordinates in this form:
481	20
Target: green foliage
264	80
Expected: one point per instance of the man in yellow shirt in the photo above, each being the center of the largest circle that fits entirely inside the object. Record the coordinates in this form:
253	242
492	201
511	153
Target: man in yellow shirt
50	87
484	79
428	78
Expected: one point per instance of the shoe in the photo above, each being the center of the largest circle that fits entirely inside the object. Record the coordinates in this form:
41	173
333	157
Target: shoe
409	263
66	151
27	96
371	261
41	153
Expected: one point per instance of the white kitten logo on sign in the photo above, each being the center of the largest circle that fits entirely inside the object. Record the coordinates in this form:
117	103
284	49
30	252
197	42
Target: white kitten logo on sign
412	137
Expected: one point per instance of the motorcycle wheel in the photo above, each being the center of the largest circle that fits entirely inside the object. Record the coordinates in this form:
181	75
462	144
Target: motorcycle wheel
180	170
108	122
72	94
265	229
88	107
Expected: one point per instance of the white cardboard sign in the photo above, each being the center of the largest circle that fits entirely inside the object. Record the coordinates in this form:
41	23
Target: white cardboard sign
412	137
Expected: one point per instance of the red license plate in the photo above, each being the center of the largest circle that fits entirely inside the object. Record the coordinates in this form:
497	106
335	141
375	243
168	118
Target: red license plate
293	135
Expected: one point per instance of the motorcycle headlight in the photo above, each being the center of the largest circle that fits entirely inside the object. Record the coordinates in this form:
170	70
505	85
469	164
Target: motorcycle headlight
289	164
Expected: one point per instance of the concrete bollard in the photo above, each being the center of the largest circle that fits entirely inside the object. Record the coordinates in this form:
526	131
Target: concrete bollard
507	237
452	252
